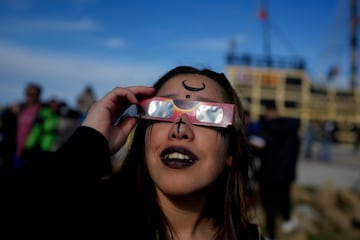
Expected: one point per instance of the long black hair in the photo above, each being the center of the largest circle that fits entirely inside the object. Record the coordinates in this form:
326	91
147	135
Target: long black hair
227	200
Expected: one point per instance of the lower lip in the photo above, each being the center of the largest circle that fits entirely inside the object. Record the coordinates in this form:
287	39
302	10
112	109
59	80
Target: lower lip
177	164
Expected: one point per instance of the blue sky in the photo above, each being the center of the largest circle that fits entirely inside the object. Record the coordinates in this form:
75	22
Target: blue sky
67	44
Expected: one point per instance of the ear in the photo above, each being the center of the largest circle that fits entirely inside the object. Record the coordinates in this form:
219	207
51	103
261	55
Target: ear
229	161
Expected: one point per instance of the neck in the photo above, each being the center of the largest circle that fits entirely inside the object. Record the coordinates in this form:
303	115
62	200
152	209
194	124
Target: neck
185	217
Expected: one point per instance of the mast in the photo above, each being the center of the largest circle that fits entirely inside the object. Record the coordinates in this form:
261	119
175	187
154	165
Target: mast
354	45
264	16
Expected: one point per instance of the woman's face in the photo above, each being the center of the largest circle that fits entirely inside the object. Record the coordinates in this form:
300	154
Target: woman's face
183	158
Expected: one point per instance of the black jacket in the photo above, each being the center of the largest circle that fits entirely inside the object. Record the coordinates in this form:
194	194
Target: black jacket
65	194
280	154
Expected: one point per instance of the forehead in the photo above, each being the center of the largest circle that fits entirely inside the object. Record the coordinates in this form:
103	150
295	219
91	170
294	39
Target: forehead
199	87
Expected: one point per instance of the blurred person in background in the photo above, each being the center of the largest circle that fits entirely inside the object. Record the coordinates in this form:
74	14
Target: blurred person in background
85	100
26	118
54	123
278	154
356	131
8	138
327	130
43	133
309	138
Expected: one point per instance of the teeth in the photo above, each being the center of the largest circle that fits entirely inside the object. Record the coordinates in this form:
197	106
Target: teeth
177	155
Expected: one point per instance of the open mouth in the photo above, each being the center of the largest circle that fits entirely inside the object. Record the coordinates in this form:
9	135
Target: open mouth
178	158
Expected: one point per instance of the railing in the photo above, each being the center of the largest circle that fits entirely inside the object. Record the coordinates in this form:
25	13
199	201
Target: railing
264	61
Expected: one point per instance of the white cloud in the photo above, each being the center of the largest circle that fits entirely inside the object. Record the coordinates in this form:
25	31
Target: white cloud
114	43
66	66
23	5
217	44
48	25
65	74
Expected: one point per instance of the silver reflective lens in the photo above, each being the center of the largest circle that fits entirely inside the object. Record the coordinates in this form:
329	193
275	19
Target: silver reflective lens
160	109
199	113
209	114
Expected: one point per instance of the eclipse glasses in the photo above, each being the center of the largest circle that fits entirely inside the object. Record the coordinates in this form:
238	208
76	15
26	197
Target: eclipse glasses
199	113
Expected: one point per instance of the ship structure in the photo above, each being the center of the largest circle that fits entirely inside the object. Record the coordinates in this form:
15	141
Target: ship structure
287	84
283	81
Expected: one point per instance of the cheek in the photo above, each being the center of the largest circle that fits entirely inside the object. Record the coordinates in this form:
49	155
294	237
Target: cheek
221	139
217	153
217	145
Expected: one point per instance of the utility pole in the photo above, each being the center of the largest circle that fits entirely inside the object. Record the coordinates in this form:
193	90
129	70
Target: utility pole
354	45
263	14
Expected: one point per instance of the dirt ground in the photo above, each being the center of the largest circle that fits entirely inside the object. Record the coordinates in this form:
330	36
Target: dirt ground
323	213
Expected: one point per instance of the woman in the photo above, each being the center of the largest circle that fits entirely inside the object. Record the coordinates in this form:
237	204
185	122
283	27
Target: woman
185	175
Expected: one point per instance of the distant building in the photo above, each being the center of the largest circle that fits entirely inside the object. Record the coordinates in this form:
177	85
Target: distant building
285	82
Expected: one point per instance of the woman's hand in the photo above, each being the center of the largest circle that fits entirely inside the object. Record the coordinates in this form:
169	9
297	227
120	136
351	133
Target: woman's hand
103	113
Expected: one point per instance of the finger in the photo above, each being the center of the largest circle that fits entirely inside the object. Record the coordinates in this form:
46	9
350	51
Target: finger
102	115
131	93
141	91
121	133
120	99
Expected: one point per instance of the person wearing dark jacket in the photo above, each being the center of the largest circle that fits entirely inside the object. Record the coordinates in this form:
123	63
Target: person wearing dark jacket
277	171
8	121
184	176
